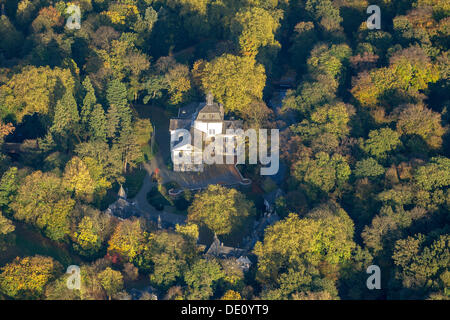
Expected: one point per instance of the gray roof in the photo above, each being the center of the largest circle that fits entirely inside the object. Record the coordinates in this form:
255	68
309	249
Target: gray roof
188	111
217	249
244	259
193	131
123	209
210	112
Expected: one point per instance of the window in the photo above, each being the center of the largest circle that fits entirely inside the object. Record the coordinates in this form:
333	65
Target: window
212	132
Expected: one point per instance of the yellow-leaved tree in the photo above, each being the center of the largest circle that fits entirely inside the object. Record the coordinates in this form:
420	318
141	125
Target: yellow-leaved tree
26	278
78	179
221	209
234	81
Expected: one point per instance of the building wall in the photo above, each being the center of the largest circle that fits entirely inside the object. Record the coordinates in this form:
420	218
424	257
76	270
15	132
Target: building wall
207	126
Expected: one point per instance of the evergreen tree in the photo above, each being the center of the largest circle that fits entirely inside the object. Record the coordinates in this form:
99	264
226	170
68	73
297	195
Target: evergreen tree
98	123
116	95
66	120
112	120
88	101
129	148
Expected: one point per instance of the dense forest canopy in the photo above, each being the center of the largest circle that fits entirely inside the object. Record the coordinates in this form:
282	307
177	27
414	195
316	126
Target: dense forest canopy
364	130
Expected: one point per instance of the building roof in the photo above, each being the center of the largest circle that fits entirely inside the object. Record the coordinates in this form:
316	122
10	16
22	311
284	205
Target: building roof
179	124
232	124
217	249
180	144
244	260
210	110
123	209
188	111
122	194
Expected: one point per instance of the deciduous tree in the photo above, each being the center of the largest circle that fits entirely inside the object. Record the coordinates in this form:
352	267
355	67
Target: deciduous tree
221	209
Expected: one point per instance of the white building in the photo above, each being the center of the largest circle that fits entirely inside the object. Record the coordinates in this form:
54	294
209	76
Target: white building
205	121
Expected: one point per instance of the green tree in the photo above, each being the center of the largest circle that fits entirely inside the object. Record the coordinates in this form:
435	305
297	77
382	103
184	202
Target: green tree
190	230
111	280
434	175
104	163
6	228
234	81
293	248
380	142
154	88
116	95
221	209
178	83
331	119
254	28
410	70
88	102
421	267
26	278
323	172
389	226
129	148
303	40
201	276
6	225
41	200
36	90
112	121
92	231
328	60
8	186
421	121
66	120
368	168
98	123
11	38
169	253
325	13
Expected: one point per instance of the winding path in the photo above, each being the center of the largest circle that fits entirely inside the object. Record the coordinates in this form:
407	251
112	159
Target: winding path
146	209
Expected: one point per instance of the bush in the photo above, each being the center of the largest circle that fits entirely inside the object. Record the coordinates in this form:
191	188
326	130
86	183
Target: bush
156	199
134	181
181	204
